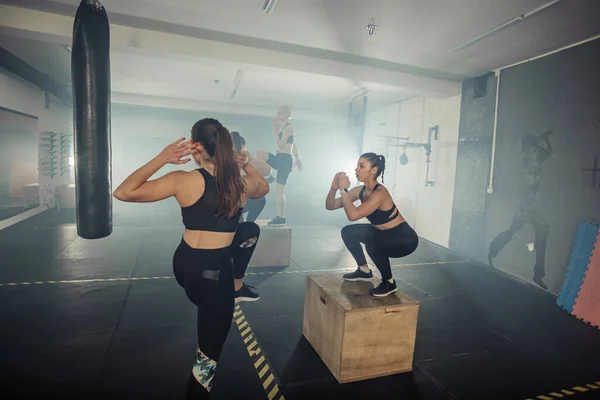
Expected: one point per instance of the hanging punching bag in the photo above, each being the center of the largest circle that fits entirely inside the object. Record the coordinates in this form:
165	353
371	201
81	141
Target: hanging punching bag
90	70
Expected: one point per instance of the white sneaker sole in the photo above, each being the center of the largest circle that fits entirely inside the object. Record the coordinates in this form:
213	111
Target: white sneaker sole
238	299
358	279
385	294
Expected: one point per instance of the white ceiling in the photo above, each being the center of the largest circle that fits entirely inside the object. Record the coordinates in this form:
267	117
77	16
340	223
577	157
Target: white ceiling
316	54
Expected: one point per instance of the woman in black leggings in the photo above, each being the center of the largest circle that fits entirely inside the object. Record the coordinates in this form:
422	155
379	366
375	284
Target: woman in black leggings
253	207
247	233
387	235
211	200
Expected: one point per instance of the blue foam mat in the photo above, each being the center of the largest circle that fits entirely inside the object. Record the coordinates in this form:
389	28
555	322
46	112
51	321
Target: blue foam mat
580	257
573	262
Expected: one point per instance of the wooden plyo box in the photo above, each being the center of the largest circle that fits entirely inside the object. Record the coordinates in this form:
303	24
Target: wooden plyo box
357	335
274	247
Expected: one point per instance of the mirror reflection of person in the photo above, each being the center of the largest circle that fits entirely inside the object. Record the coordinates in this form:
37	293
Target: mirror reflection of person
281	161
535	150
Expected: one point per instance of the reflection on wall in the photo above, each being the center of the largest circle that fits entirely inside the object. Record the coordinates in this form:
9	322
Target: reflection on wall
18	163
546	174
535	151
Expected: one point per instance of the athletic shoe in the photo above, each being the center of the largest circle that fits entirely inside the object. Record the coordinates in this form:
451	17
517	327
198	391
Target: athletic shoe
385	288
277	221
246	294
359	275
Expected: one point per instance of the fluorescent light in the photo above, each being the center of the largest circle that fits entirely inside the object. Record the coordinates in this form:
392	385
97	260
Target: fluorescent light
269	6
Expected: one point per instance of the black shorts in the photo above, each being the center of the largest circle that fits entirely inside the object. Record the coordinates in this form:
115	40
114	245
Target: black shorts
282	162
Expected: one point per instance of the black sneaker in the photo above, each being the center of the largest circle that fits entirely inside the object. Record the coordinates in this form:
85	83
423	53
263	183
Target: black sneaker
246	294
385	288
359	275
277	221
538	279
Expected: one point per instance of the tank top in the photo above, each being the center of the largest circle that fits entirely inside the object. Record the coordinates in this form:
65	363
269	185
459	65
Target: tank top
378	217
201	216
290	139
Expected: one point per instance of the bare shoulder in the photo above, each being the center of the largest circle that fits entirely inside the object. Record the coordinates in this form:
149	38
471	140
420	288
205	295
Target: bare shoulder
382	189
187	175
188	179
190	186
288	128
382	192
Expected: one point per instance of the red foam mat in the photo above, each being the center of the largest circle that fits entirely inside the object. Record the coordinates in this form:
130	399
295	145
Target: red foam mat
587	304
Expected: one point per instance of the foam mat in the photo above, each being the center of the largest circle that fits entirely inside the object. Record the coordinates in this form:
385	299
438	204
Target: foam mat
585	240
587	303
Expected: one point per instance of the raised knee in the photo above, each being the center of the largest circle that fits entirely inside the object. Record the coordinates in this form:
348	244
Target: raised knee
251	232
252	228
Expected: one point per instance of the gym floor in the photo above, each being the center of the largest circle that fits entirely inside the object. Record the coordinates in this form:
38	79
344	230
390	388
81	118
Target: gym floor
105	319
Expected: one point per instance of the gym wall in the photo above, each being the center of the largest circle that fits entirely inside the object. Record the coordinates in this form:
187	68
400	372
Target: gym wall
21	96
427	209
543	186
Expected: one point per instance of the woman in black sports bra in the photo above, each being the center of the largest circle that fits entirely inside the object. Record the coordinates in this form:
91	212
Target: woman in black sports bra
281	161
211	200
387	235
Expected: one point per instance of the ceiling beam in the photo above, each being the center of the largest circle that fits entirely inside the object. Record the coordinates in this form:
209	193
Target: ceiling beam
20	68
204	106
46	26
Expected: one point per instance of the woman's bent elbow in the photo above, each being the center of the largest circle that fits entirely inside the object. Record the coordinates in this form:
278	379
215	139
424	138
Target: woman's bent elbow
119	195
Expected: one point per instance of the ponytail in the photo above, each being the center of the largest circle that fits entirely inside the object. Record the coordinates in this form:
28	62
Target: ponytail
381	166
227	174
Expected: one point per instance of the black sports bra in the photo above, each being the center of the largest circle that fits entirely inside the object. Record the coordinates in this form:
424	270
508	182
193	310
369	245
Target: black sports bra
378	217
201	216
290	139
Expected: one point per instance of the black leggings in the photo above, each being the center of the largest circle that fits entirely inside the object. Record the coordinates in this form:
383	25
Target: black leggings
381	245
207	277
242	247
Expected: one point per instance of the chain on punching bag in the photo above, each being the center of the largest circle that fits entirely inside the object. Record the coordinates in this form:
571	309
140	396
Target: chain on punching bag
90	70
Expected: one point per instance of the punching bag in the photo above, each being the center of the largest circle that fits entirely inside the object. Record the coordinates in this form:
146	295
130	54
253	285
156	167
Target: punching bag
90	72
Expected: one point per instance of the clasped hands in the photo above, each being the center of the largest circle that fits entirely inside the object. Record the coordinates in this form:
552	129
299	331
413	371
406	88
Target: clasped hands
340	181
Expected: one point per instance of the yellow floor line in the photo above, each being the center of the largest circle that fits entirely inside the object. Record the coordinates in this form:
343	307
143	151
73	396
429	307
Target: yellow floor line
569	392
261	364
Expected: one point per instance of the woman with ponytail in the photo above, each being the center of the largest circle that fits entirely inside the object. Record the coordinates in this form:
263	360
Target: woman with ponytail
387	235
211	199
